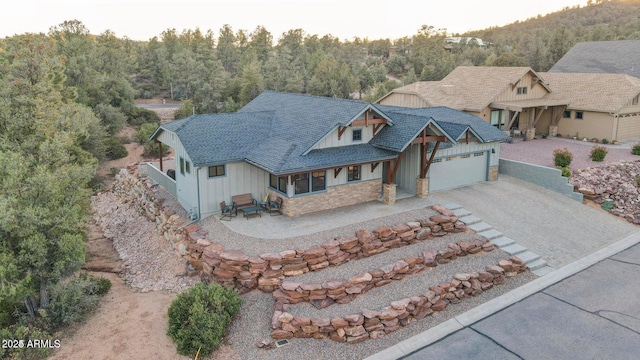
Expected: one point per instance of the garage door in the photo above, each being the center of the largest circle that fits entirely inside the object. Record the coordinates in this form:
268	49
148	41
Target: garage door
458	170
628	127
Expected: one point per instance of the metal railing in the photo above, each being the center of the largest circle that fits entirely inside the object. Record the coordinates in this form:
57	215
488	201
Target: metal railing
161	178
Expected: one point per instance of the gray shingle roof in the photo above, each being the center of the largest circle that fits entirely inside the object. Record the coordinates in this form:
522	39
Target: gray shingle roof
276	132
613	57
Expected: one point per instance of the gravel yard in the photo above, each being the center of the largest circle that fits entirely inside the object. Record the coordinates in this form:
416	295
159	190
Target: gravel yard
540	152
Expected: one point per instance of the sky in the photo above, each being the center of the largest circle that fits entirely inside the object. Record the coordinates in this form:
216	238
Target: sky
345	19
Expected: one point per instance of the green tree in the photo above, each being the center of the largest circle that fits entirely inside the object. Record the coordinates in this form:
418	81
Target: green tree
252	82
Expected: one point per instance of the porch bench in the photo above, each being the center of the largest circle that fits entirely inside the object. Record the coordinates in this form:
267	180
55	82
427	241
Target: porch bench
243	201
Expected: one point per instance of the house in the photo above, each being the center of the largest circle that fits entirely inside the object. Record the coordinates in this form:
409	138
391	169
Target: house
522	101
509	98
602	106
604	57
320	153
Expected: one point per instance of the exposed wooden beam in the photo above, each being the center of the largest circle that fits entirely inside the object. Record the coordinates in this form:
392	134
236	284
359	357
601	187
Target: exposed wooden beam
466	136
513	118
159	152
336	171
429	138
391	173
376	127
538	114
368	121
341	131
425	169
374	166
423	159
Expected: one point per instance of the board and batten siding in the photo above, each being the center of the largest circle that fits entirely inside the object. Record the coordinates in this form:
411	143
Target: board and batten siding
347	137
511	93
187	183
405	100
240	178
341	179
410	165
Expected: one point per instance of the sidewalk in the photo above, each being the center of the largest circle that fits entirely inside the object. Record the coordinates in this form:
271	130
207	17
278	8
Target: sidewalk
585	310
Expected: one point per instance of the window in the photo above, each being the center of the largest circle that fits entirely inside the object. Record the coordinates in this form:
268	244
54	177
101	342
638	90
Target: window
566	114
579	115
216	171
181	166
353	173
356	135
497	118
187	167
451	158
466	156
635	100
317	181
278	183
478	154
522	90
437	160
309	182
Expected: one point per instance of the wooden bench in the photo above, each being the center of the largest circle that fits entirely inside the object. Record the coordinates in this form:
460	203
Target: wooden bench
243	201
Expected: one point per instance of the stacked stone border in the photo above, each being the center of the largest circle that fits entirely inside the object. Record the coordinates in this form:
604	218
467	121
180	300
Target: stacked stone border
329	292
370	324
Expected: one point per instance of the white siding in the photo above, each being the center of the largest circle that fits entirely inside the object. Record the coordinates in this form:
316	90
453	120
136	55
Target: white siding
366	174
346	139
240	178
187	183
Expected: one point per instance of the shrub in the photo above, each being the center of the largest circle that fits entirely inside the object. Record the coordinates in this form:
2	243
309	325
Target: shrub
635	149
142	136
566	172
562	157
115	149
72	300
605	141
138	116
25	333
598	153
198	317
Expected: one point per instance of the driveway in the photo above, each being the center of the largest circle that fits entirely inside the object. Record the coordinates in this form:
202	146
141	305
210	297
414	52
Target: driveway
540	152
557	228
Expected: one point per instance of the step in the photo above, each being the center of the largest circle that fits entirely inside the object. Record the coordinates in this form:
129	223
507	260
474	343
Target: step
528	256
502	241
543	271
470	219
491	234
514	249
537	264
452	206
481	226
461	212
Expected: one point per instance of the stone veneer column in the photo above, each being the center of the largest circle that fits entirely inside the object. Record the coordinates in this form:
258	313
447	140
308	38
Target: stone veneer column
389	194
422	187
553	130
530	134
493	173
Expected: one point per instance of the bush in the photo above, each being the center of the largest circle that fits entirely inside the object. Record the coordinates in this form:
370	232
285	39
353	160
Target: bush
598	153
198	317
566	172
138	116
115	149
635	149
562	157
25	333
72	300
142	137
605	141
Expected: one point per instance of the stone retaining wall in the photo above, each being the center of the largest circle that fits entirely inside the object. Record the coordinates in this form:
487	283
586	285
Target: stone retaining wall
324	294
372	324
267	271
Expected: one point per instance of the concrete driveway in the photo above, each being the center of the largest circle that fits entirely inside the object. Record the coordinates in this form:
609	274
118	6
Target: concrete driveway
559	229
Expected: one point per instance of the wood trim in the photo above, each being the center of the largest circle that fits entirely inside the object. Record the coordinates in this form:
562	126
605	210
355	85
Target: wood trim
367	122
159	152
537	117
430	138
341	131
425	170
512	120
374	166
396	164
376	127
336	171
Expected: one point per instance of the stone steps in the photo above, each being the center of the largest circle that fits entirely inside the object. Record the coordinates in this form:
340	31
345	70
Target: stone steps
502	241
480	227
491	234
470	219
461	212
514	249
537	264
528	257
543	270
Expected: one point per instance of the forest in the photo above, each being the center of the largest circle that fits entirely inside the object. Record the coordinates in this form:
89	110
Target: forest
65	95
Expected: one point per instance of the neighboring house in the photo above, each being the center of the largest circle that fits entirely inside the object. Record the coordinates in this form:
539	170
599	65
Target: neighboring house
604	57
602	106
320	153
522	101
464	40
509	98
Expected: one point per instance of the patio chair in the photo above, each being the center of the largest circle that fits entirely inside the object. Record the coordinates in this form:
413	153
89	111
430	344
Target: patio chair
274	206
228	211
